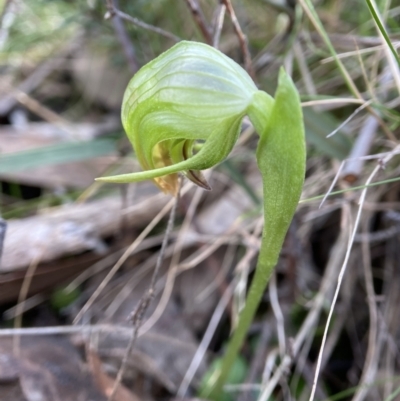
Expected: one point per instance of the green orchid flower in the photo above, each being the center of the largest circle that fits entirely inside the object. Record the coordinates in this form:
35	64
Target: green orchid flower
192	93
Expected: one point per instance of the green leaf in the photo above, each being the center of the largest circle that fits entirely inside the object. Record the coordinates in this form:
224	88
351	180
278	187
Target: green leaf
318	126
236	376
66	152
281	158
382	29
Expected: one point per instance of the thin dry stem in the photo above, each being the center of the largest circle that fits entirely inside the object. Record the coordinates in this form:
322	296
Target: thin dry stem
304	70
123	37
23	293
372	358
343	268
201	22
341	101
152	320
242	270
219	23
276	308
352	115
137	316
127	253
203	346
135	21
241	36
309	323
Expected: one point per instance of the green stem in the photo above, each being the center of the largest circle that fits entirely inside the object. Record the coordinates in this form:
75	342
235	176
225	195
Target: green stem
264	269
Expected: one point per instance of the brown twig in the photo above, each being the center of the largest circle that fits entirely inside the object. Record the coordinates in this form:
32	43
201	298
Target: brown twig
200	20
137	315
112	11
241	36
123	37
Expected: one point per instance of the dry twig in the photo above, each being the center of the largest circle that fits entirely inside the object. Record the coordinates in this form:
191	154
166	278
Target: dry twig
219	22
241	36
137	315
135	21
200	20
123	37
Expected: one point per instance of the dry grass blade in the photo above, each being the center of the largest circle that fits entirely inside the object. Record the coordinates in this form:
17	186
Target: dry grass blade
127	253
207	337
174	263
219	22
21	301
344	265
137	315
309	324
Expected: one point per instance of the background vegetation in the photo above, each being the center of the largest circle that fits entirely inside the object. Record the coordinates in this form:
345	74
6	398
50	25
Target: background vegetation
78	256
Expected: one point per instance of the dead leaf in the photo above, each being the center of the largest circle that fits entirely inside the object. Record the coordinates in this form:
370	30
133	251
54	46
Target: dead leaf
49	369
105	382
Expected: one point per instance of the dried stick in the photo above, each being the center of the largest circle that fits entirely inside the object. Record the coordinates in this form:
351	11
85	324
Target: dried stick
112	11
205	342
137	315
280	320
219	22
23	293
241	36
373	351
174	265
348	119
123	37
200	20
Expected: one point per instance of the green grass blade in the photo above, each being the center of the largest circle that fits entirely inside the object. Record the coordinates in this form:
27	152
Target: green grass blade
56	154
382	29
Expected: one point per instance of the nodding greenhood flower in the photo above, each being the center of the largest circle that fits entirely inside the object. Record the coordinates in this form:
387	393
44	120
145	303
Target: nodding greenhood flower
190	93
193	93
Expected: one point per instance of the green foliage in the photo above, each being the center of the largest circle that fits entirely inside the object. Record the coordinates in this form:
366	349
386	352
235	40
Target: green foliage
62	298
236	376
379	23
318	127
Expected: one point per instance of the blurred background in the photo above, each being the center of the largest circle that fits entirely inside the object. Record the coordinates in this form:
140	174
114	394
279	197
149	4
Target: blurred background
77	256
